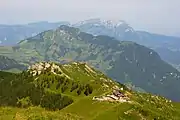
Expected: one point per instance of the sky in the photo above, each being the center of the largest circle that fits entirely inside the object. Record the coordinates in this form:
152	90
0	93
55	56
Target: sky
157	16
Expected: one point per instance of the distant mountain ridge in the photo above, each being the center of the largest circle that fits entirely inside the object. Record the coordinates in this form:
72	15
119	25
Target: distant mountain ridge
125	61
164	45
12	34
123	32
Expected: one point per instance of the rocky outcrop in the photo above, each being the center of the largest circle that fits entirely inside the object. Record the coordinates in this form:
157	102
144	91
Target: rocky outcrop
38	68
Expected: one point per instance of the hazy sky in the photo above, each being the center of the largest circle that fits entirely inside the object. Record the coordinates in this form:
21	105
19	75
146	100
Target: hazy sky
159	16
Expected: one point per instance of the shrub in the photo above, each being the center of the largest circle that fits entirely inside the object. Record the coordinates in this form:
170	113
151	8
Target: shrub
35	95
88	90
74	86
81	88
24	102
78	91
55	101
64	88
58	86
48	85
57	71
60	80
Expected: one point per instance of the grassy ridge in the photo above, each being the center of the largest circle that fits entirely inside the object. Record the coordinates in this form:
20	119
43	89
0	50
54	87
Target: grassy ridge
31	95
34	113
124	61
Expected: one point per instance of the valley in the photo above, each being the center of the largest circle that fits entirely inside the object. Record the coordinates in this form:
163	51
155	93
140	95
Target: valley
166	46
92	70
126	62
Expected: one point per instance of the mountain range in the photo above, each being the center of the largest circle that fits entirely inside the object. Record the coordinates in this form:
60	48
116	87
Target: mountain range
166	46
124	61
12	34
52	71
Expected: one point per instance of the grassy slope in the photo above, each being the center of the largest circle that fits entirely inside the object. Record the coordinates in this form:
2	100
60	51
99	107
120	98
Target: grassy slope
77	72
34	113
84	109
122	61
143	106
89	110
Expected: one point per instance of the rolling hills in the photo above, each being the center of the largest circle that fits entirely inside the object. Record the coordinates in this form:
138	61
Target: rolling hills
124	61
75	91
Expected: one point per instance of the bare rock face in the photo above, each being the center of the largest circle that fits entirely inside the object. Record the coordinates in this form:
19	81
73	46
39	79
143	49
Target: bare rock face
41	67
37	68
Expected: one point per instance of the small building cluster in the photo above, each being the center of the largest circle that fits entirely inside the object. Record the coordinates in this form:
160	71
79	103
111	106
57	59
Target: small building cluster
116	96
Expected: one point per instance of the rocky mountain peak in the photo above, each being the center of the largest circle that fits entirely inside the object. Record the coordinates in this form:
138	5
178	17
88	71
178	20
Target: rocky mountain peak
38	68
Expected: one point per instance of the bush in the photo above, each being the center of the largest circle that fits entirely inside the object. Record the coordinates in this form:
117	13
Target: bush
143	112
55	101
88	90
64	88
74	86
57	71
81	88
78	91
35	95
24	102
58	86
60	80
48	85
66	81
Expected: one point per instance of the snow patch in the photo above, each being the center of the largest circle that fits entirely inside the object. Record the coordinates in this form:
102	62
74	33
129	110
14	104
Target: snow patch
129	30
99	22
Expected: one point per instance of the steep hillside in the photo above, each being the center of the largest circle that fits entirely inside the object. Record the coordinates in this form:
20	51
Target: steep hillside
172	56
12	34
166	46
10	64
42	80
127	62
75	91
